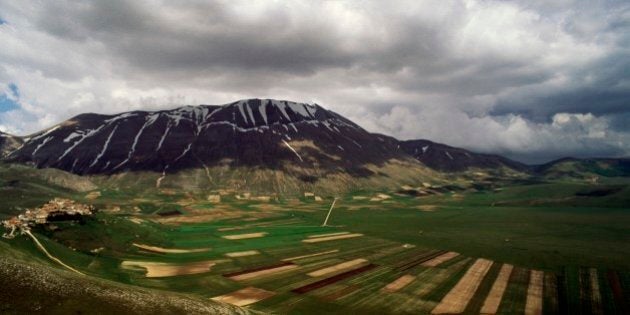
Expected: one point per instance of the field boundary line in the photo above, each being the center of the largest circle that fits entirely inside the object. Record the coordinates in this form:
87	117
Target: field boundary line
331	238
311	255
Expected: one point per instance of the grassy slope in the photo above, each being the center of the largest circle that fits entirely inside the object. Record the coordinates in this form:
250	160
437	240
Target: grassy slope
53	291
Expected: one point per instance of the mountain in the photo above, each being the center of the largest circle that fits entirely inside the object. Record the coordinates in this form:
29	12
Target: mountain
261	144
304	141
250	132
450	159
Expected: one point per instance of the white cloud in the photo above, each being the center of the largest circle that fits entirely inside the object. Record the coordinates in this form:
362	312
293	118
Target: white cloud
515	77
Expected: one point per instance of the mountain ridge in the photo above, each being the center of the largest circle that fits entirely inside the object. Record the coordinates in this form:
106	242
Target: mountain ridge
443	157
585	168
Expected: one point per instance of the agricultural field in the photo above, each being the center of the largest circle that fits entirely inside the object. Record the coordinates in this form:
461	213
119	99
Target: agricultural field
536	248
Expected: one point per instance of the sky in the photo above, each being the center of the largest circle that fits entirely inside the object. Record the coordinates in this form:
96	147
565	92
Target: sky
533	80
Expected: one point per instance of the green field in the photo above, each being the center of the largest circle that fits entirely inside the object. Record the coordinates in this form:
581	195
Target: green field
575	233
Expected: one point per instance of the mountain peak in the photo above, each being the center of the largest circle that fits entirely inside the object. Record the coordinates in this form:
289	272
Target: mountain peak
272	102
264	112
251	132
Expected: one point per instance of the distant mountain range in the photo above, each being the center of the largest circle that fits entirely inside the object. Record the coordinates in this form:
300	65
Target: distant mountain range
305	141
584	168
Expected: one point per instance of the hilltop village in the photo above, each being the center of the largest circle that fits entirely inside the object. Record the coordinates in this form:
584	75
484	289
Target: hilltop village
55	210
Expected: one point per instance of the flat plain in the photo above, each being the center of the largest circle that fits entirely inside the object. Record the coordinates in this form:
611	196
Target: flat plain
537	248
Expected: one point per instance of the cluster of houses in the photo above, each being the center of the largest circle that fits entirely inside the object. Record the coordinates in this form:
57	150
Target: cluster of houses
55	210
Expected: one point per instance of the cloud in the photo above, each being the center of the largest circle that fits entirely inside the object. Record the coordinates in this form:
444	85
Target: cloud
493	76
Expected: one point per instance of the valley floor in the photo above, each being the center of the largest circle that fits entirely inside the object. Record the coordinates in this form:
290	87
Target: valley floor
509	251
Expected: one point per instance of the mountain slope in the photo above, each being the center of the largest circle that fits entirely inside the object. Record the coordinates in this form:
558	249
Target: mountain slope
250	132
450	159
279	139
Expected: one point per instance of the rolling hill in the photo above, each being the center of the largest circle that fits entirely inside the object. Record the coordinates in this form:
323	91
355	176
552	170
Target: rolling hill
585	168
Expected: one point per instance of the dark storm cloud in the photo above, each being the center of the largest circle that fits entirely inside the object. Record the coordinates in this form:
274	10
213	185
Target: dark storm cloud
620	122
220	41
601	88
514	77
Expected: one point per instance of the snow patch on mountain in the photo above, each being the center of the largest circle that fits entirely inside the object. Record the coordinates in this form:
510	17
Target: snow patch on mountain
240	108
292	149
312	109
251	115
300	109
184	153
120	116
263	111
46	133
73	135
168	128
42	144
83	137
281	107
105	146
150	119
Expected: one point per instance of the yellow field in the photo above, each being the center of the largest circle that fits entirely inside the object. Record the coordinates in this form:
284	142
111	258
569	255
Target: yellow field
456	300
159	270
244	296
